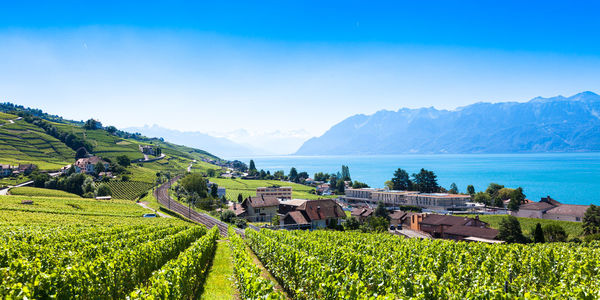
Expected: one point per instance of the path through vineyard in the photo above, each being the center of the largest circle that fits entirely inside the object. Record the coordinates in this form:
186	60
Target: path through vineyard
265	273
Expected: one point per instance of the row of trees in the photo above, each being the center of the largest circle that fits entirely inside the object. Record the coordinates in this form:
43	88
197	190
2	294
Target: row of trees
496	194
425	181
80	184
193	188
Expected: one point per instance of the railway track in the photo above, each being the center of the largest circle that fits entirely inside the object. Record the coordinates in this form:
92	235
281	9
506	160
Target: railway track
162	195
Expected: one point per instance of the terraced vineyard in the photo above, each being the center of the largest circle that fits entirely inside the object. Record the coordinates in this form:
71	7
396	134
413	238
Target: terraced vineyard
129	190
21	142
338	265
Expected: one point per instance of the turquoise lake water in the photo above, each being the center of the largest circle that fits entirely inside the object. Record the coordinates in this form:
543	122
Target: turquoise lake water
572	178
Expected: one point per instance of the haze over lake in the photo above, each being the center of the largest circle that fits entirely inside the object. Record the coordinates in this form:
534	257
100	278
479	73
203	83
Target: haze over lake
572	178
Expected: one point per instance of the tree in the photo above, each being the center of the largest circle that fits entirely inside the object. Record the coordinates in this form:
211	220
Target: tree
275	220
111	129
227	216
516	199
504	193
498	202
591	220
351	223
214	190
340	187
493	189
321	176
123	160
346	173
195	183
426	181
554	233
381	211
453	189
104	190
92	124
240	198
99	167
471	189
359	185
293	175
252	167
333	183
378	224
510	230
302	176
484	198
389	184
39	179
81	153
538	234
278	175
401	180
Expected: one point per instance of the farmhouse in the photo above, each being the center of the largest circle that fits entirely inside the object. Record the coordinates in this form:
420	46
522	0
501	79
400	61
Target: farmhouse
257	209
548	208
315	214
452	227
6	170
362	213
88	164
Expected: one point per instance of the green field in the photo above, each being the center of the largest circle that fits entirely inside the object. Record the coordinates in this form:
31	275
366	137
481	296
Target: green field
129	190
40	192
248	188
573	229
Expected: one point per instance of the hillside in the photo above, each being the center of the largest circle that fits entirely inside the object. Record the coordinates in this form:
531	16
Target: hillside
558	124
50	142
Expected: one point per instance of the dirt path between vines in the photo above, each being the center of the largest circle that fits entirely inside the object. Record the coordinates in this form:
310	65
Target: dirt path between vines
265	273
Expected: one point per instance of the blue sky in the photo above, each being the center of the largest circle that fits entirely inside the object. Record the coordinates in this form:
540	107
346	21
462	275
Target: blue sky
288	68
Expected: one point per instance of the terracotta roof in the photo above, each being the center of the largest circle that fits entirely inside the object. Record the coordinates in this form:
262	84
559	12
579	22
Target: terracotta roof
298	217
263	201
550	201
239	209
480	232
361	212
322	209
294	202
433	219
536	206
398	215
88	160
569	210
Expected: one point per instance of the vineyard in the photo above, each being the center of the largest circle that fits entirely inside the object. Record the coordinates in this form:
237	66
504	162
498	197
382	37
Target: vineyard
82	248
128	190
41	192
337	265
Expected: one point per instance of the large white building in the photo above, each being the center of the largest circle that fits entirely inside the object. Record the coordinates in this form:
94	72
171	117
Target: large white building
283	192
400	198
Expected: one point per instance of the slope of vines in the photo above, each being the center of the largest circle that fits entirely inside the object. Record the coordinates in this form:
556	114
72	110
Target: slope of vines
128	190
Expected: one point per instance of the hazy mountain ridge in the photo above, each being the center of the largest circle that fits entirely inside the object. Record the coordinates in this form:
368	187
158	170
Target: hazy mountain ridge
557	124
222	147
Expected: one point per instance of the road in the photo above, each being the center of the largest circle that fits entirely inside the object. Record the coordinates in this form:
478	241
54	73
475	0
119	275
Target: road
162	194
4	192
190	166
142	204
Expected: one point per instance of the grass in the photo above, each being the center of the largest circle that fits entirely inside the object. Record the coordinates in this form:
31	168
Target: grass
150	200
40	192
248	188
573	229
219	283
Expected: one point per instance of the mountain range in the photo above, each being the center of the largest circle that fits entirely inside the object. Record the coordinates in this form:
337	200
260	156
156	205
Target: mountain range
557	124
221	147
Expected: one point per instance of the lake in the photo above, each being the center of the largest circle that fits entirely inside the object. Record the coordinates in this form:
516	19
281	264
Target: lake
572	178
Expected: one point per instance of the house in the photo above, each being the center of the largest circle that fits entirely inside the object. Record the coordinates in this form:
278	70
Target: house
290	205
362	213
399	218
283	192
394	198
257	209
551	209
148	149
452	227
27	168
6	170
315	214
88	164
323	189
221	191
